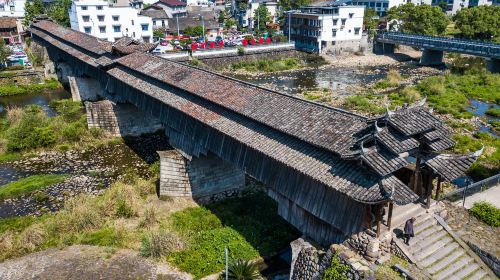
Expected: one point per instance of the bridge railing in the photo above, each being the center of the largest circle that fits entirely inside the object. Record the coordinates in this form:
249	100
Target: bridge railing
471	189
472	46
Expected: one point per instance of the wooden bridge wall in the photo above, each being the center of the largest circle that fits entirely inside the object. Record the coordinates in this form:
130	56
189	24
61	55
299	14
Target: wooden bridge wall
295	192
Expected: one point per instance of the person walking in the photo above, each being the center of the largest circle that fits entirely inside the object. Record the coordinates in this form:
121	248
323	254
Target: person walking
409	230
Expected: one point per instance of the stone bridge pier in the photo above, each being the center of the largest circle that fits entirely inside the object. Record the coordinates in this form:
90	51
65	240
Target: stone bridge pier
205	178
383	48
431	57
117	119
493	65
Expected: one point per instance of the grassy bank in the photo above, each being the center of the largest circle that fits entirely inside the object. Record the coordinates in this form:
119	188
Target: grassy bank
14	89
29	128
129	215
29	185
489	162
268	65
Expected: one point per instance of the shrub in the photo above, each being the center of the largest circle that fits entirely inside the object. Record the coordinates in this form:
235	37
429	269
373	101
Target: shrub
243	270
494	112
150	217
486	212
161	243
363	104
194	220
67	108
32	237
336	271
30	131
80	214
241	50
154	169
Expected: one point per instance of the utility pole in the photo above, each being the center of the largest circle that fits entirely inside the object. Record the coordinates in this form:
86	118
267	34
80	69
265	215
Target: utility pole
289	25
177	19
203	24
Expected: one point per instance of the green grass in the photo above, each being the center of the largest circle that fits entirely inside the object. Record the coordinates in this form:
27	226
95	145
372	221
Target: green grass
494	112
248	226
29	185
13	89
16	224
486	212
13	156
489	162
364	104
268	65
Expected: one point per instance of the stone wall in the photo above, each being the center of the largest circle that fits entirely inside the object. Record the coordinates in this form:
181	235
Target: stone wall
310	263
206	179
348	46
119	119
227	60
366	244
84	89
492	261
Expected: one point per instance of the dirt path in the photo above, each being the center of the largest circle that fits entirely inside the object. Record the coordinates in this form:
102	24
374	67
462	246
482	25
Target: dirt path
86	262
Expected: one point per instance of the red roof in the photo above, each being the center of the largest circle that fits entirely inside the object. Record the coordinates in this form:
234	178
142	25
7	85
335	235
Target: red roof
173	2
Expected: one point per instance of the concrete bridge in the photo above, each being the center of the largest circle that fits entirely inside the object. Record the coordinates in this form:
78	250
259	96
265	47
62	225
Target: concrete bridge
434	46
332	172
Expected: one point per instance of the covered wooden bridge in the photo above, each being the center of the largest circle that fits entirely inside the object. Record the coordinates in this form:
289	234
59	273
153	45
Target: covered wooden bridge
329	170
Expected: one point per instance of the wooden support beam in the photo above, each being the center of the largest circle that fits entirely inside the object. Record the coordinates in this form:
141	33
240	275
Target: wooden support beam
438	187
389	215
379	218
428	191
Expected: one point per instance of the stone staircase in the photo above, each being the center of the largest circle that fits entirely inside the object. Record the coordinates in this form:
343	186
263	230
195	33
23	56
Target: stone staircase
437	251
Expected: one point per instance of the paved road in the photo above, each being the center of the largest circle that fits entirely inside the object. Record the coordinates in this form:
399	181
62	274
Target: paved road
492	195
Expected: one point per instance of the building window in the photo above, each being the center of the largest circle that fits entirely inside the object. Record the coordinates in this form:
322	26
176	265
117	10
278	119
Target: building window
132	22
145	38
100	18
154	22
102	29
87	29
117	28
116	18
86	18
133	34
144	27
99	8
84	8
356	31
343	21
12	8
335	21
351	15
163	23
334	32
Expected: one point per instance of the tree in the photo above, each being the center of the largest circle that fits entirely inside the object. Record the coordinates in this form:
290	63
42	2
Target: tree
421	19
221	17
443	5
193	31
4	52
33	9
261	18
287	5
230	23
481	23
158	33
58	11
370	21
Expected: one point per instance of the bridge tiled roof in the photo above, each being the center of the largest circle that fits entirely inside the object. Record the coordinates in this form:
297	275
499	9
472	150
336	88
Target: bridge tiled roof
77	39
326	127
451	166
324	166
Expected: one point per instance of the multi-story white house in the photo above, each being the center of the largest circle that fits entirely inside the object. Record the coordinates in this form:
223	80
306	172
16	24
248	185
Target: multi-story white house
380	6
173	8
12	8
110	20
246	17
332	28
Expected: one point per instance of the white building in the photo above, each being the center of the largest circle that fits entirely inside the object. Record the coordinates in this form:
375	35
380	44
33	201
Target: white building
110	21
453	6
380	6
246	18
173	8
12	8
329	28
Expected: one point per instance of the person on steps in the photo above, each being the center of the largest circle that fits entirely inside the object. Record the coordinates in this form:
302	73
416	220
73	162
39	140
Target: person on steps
409	230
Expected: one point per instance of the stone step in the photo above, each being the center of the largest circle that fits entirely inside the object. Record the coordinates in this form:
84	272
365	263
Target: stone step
439	254
403	213
454	267
471	268
429	221
423	244
424	234
444	262
425	252
479	274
